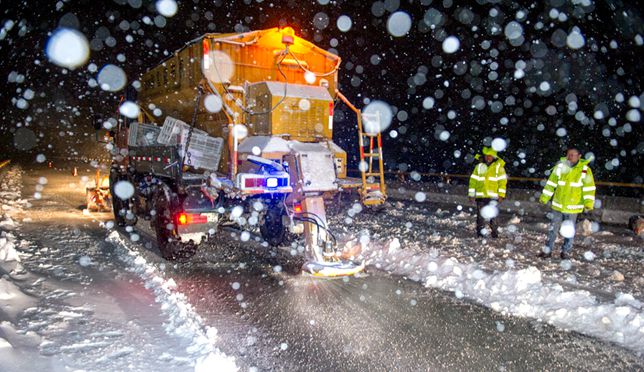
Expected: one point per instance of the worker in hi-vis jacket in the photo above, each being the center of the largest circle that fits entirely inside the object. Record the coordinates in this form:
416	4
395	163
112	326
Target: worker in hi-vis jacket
488	187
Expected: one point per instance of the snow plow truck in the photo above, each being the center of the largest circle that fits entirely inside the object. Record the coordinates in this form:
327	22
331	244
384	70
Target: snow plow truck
239	128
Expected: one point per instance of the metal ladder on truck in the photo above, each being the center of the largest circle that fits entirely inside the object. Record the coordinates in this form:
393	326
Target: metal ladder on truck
373	191
373	180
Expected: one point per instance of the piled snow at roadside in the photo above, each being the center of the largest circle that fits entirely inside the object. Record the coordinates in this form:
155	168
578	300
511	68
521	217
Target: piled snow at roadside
519	293
183	320
10	200
13	301
7	243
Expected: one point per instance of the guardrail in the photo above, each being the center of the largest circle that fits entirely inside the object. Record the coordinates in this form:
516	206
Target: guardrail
614	209
401	177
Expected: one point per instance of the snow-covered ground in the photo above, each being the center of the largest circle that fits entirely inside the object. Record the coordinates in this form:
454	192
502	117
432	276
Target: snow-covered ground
111	306
74	307
597	293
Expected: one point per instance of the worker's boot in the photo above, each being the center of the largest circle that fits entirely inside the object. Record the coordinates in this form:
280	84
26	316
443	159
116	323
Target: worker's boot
544	255
494	228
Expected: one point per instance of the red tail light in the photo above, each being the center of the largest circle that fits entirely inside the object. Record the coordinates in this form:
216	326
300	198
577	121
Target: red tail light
297	208
253	182
191	218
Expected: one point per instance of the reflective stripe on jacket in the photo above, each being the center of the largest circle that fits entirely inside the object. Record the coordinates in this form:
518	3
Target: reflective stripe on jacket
571	188
488	181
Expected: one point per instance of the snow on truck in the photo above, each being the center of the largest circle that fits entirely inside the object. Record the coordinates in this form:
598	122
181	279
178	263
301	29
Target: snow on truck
247	137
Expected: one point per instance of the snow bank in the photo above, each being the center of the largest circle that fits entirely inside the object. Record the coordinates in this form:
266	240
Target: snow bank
12	300
7	247
520	293
182	319
7	223
11	202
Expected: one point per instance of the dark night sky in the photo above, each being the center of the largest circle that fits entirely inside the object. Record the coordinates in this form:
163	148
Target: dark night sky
401	71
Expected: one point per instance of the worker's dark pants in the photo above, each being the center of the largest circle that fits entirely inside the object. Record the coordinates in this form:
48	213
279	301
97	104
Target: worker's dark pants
481	221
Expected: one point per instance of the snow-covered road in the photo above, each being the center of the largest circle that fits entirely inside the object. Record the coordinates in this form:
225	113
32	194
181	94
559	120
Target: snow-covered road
85	296
70	300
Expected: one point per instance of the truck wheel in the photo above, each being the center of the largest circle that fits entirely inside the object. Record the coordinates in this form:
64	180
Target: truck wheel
123	215
118	206
170	246
272	227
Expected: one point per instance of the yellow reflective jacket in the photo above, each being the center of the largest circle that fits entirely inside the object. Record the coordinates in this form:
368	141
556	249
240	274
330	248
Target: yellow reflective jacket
488	181
572	189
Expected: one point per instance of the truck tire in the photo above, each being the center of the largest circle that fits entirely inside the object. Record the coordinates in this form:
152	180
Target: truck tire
272	227
171	248
118	205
